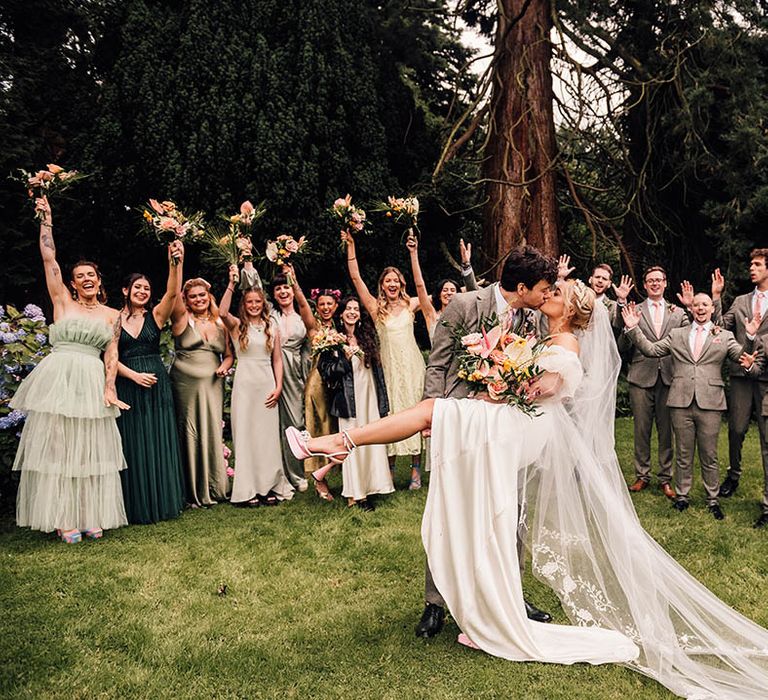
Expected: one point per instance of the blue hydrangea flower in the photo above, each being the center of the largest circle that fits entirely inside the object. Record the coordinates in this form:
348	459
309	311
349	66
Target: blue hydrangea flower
5	326
41	338
2	312
34	312
12	420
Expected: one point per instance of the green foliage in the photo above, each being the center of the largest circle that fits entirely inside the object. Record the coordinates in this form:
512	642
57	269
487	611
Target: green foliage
23	343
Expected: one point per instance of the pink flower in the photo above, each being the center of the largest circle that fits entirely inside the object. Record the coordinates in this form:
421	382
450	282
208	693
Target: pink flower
55	169
227	452
169	205
292	246
230	472
497	388
246	208
167	223
156	206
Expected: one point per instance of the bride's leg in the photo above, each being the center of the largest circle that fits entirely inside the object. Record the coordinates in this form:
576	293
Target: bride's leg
381	432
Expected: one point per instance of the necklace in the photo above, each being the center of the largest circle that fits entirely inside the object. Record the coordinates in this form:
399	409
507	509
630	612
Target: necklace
200	318
90	307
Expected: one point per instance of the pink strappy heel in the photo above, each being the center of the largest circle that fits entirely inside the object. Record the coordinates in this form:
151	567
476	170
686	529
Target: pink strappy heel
297	442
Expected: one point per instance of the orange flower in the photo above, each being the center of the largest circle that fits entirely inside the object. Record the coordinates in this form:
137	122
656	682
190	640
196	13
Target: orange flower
55	169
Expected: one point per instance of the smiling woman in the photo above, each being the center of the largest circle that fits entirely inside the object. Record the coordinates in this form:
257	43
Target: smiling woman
153	486
70	454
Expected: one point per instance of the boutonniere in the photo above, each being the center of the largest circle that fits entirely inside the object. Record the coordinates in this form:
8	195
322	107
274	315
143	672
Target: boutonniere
715	330
671	308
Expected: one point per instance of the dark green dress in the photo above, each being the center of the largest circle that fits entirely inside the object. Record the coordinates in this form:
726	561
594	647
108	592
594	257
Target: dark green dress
153	485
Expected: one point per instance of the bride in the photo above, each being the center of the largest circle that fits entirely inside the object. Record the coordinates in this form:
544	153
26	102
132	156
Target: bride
556	476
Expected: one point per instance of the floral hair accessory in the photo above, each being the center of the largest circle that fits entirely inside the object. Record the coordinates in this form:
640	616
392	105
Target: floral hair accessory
315	294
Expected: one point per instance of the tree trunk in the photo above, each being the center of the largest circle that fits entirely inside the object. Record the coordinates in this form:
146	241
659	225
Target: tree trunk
520	154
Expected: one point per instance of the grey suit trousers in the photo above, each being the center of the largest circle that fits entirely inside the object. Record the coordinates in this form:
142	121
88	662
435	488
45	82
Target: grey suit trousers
648	404
696	428
744	399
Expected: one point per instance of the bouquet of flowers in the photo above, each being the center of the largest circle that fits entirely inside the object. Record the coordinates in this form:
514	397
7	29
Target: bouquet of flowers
48	182
352	219
329	339
282	248
402	210
499	362
169	223
234	246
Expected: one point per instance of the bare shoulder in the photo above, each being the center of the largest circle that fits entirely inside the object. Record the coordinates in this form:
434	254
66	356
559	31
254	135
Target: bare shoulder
567	341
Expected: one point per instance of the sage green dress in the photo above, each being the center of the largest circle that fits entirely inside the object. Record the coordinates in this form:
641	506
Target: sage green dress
293	342
70	454
199	397
153	484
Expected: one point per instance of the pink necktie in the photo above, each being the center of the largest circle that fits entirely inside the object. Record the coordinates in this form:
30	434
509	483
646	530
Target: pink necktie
758	303
698	343
657	318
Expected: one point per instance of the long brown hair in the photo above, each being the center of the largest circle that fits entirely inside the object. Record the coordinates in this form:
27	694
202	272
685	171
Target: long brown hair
365	333
245	321
381	301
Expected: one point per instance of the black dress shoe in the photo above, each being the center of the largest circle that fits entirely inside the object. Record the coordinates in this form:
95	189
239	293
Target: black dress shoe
431	621
535	614
762	521
366	505
717	513
728	487
680	505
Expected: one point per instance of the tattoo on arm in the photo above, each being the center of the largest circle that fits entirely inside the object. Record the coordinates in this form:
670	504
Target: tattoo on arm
111	356
46	241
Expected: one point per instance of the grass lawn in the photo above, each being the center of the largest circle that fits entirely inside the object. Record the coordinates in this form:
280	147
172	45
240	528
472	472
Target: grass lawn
320	602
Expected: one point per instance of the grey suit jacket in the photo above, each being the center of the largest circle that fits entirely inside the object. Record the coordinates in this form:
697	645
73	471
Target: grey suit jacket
700	379
733	320
644	371
464	310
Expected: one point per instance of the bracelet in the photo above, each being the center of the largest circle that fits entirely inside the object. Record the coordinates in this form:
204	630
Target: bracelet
354	257
44	225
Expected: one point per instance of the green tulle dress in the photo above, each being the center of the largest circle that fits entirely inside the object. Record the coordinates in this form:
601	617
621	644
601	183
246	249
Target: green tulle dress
70	454
153	484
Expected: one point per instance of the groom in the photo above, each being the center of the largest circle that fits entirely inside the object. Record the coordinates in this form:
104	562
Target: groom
525	285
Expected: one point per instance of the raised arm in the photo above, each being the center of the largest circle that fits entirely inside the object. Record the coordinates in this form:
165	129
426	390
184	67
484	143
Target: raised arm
57	290
231	322
162	312
467	273
660	348
425	303
366	298
305	310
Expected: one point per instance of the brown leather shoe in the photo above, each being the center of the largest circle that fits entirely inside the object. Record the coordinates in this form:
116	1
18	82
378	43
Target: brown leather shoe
669	492
639	485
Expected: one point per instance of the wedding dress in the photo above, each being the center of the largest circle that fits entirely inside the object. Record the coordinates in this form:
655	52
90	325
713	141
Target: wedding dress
555	479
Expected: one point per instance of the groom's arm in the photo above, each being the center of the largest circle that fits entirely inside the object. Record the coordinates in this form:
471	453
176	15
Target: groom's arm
441	357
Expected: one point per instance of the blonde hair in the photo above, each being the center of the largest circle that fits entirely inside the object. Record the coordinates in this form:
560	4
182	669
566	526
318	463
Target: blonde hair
382	310
213	309
245	321
579	302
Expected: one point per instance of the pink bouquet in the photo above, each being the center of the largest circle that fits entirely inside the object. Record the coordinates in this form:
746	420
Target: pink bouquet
352	219
402	210
53	180
500	363
282	248
169	223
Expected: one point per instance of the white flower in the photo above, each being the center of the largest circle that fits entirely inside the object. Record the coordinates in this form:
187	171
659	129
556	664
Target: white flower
271	251
569	585
549	569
